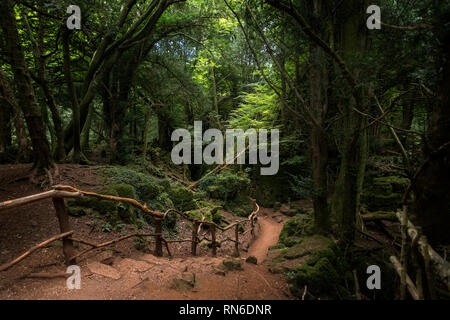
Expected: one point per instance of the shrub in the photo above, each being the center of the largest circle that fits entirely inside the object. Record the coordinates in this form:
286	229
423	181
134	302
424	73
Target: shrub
226	186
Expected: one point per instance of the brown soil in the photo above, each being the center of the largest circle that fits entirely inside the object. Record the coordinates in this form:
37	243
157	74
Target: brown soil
270	230
120	271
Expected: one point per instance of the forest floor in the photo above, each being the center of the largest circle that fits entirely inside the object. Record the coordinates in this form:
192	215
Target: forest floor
121	271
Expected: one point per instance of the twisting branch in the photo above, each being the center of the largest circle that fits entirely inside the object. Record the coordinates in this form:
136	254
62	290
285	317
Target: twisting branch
36	247
114	198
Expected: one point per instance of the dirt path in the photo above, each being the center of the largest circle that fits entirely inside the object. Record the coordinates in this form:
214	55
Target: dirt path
270	231
120	271
145	276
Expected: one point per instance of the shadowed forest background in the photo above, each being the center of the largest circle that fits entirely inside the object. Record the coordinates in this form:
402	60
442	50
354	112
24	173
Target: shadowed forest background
364	120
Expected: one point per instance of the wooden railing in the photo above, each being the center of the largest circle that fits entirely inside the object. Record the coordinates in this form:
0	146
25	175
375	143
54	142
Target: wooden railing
60	192
423	257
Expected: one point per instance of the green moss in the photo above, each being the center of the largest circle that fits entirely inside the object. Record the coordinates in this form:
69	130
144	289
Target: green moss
384	193
232	264
216	215
182	198
215	192
226	186
149	190
201	195
272	189
319	265
77	212
124	190
294	229
194	214
240	209
277	246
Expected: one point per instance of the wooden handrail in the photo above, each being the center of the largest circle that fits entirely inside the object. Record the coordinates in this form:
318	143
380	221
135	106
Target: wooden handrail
9	204
133	202
64	191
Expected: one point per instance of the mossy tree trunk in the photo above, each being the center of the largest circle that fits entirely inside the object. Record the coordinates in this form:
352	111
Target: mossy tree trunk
318	80
345	202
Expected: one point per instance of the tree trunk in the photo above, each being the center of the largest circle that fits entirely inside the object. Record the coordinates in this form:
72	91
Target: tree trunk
319	148
41	149
76	157
345	203
432	185
39	59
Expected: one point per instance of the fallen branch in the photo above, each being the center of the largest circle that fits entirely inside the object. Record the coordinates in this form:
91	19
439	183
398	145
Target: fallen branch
36	247
107	243
379	215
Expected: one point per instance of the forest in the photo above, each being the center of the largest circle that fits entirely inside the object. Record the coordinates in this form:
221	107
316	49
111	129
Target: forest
225	149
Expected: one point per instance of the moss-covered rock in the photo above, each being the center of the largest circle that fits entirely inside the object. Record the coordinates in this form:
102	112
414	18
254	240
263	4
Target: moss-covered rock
384	193
113	210
240	209
232	264
294	229
316	262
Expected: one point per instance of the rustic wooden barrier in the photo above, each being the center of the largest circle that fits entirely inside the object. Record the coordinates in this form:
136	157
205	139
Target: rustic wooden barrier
424	257
194	237
236	241
158	242
62	191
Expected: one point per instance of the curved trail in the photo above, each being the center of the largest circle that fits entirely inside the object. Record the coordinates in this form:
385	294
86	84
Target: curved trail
144	276
270	231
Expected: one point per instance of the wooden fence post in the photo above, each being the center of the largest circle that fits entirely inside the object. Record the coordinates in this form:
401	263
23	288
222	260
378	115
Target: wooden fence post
158	243
64	226
252	221
236	244
194	238
213	239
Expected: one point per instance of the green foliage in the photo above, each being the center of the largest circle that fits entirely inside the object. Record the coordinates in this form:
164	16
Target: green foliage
226	186
149	190
182	198
257	109
301	186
